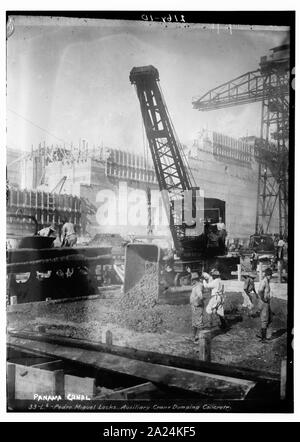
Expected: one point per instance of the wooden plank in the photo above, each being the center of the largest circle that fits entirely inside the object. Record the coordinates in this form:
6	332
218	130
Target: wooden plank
204	384
154	357
205	345
31	381
136	392
108	338
11	376
52	365
283	379
56	263
75	385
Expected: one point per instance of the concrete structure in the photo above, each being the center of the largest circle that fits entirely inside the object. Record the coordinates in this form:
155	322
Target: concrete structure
223	167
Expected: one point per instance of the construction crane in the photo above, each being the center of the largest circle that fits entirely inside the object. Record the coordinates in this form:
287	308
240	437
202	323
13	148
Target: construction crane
59	186
191	236
269	85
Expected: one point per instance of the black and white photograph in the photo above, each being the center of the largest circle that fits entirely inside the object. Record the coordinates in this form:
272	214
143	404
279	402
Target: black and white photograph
150	211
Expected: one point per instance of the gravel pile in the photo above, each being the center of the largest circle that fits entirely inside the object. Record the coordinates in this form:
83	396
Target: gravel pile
137	307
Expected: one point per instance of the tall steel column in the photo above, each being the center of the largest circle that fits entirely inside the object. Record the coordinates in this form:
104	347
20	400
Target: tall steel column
270	85
167	154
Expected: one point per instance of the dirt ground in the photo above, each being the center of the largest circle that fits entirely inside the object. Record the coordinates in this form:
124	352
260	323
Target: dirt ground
160	328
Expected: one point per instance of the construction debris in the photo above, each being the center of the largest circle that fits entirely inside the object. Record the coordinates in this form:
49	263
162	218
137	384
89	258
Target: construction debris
137	307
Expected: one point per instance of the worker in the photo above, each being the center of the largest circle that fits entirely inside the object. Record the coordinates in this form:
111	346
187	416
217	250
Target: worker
249	292
106	276
254	260
215	305
47	231
264	295
69	238
197	305
280	249
221	231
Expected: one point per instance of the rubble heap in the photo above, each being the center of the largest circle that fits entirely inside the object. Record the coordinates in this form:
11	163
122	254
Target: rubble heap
137	307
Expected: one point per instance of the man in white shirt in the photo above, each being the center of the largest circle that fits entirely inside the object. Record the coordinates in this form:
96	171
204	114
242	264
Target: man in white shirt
280	248
216	303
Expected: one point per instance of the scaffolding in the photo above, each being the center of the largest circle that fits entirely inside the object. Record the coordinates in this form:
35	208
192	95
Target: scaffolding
269	85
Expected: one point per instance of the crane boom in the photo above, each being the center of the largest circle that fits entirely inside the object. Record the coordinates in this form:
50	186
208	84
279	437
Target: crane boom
247	88
183	201
166	151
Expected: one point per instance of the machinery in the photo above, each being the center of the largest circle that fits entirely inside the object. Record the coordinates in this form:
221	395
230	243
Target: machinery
262	244
192	218
36	270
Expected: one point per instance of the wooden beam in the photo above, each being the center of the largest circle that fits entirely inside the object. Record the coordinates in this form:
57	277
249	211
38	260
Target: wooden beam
203	384
283	379
142	391
154	357
21	255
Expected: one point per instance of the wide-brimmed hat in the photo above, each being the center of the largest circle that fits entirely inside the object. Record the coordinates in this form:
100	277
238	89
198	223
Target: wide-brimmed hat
215	272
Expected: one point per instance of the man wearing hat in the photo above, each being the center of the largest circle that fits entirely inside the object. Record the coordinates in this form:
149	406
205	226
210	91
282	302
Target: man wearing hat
213	281
264	294
249	289
197	305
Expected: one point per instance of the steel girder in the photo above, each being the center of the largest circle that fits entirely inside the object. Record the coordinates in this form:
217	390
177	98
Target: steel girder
271	87
166	151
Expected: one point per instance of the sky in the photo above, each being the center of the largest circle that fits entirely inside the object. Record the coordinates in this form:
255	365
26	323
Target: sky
68	79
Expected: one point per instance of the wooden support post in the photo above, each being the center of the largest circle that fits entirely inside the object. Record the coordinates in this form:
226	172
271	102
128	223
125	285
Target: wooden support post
239	272
283	379
279	266
107	337
204	345
13	300
260	273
